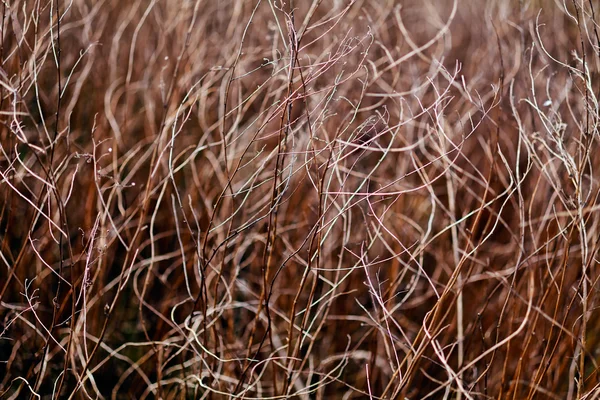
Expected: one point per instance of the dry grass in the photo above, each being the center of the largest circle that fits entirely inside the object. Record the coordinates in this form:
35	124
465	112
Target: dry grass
299	199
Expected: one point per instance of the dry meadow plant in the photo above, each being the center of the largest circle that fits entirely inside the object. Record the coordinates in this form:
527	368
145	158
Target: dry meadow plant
305	199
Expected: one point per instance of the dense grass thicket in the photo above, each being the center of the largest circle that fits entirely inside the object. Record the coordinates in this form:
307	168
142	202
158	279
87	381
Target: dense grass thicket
307	199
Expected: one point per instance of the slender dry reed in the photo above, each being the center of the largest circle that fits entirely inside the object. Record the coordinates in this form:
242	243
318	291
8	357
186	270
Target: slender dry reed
271	199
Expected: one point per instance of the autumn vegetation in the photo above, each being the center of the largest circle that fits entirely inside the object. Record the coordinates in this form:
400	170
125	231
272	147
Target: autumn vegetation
304	199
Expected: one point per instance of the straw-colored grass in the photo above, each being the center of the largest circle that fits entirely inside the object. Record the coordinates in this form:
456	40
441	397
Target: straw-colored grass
271	199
